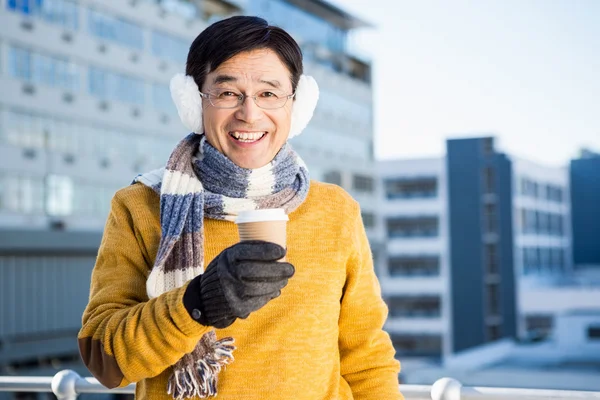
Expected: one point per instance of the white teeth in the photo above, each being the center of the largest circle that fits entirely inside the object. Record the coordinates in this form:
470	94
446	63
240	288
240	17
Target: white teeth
247	137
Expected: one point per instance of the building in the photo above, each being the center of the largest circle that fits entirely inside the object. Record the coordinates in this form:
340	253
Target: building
112	62
470	235
585	195
338	144
85	106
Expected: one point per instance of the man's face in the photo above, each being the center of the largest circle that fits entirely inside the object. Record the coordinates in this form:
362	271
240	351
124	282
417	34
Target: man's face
248	135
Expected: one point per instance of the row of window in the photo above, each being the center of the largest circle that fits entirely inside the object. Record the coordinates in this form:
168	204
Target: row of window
115	29
542	191
414	266
543	260
54	195
405	227
417	345
61	73
411	188
104	26
541	223
33	131
113	86
43	69
61	12
360	183
414	306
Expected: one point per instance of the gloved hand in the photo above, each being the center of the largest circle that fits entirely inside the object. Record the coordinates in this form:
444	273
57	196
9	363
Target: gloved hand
240	280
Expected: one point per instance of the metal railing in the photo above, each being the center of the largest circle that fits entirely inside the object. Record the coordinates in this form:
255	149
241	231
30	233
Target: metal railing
67	385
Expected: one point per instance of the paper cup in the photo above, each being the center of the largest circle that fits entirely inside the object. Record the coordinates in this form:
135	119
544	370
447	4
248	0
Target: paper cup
268	225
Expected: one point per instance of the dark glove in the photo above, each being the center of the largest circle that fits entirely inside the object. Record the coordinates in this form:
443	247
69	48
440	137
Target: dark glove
240	280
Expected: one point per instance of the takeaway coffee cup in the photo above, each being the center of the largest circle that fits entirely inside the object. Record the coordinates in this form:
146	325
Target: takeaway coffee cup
268	225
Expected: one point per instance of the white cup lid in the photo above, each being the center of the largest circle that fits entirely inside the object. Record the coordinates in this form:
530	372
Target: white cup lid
272	214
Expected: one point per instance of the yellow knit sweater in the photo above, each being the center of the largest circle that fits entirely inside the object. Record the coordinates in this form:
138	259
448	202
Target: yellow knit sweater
321	339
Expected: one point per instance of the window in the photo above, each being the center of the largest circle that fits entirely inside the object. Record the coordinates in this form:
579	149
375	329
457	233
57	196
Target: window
493	299
23	130
412	227
594	332
539	326
489	179
60	195
115	29
554	193
43	69
60	12
169	47
542	223
423	345
417	266
531	263
409	188
22	194
490	218
414	306
491	258
113	86
334	177
493	333
362	183
368	219
530	188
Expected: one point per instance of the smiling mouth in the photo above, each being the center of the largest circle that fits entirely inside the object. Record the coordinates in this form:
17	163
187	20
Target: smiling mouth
247	137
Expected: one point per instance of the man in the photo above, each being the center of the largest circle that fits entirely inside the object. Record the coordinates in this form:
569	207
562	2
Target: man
306	328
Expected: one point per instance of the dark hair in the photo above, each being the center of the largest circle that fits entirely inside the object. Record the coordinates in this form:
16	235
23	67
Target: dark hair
227	38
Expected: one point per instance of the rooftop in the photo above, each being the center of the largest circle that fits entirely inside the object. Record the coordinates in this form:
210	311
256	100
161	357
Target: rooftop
331	13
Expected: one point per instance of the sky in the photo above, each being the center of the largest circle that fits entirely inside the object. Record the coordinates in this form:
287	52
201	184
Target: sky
524	71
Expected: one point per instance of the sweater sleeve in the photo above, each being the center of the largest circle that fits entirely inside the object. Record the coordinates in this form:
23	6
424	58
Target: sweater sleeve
124	336
366	351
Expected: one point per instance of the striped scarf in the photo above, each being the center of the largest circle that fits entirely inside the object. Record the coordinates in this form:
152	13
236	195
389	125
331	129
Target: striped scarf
199	181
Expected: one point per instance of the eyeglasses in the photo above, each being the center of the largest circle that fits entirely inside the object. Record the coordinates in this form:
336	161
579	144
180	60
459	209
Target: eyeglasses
226	98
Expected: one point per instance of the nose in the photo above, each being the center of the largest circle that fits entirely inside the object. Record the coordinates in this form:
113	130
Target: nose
249	112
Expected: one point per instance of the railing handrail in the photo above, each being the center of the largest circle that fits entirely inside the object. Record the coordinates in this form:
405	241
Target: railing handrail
67	385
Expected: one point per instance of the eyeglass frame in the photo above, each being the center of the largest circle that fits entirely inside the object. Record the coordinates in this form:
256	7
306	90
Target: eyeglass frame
242	98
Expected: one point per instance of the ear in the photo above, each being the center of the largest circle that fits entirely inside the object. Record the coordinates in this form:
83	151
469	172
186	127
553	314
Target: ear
187	99
305	102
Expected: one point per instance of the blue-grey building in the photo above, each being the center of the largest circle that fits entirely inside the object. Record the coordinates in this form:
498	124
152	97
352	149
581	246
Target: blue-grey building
481	243
585	200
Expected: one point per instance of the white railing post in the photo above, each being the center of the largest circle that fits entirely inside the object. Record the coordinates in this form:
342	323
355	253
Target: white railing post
63	384
446	389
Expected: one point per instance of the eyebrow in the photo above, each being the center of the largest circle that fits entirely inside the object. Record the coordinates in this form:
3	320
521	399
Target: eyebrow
224	79
228	78
274	84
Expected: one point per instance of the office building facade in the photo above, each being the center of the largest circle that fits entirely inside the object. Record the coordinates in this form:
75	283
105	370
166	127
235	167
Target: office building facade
85	106
467	233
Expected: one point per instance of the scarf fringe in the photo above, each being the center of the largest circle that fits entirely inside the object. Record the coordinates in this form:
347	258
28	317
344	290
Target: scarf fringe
197	376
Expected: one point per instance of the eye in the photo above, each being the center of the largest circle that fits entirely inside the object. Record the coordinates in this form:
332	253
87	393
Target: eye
268	95
227	93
